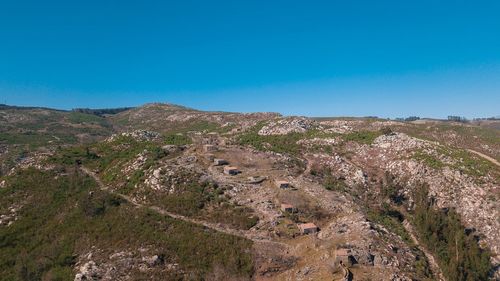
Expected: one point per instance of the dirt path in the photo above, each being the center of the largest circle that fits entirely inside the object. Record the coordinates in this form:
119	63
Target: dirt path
486	157
432	262
213	226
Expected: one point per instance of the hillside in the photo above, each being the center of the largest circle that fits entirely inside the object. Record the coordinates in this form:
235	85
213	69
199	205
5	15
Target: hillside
168	117
147	193
25	130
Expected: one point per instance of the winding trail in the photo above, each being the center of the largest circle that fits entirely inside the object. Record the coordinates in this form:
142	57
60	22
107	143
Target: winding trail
436	270
213	226
486	157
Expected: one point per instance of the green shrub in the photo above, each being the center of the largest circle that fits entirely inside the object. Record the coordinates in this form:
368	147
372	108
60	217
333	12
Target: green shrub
469	163
386	131
276	143
391	219
235	216
177	139
109	158
34	139
95	204
362	137
205	201
428	159
282	143
79	118
331	183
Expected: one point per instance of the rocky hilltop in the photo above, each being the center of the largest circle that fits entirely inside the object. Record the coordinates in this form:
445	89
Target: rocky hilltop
164	192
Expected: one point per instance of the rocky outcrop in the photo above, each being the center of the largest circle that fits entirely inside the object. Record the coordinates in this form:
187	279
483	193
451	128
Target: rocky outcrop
119	265
450	188
175	173
473	197
139	135
338	126
287	125
9	216
319	141
397	142
88	271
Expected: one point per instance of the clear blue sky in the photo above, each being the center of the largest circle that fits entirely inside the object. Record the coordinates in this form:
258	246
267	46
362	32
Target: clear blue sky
316	58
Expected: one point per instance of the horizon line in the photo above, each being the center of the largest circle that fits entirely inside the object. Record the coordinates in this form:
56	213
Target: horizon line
19	106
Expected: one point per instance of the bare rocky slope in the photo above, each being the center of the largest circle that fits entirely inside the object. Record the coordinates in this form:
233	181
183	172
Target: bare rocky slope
137	195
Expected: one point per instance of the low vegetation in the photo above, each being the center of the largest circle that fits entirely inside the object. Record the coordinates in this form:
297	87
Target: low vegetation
469	163
55	214
110	158
428	159
33	140
197	126
331	183
191	198
79	118
62	215
325	176
280	143
391	219
385	209
455	247
362	137
37	127
388	210
204	201
101	111
458	135
177	139
459	159
276	143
